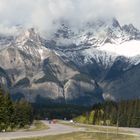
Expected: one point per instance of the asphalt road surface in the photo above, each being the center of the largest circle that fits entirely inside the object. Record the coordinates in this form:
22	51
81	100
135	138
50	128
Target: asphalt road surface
55	129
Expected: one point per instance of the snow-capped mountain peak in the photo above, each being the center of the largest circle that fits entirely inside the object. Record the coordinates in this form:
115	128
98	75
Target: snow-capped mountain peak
101	40
101	50
95	33
29	35
31	43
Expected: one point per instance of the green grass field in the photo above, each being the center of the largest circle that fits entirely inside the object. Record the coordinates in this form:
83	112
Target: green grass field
86	136
93	128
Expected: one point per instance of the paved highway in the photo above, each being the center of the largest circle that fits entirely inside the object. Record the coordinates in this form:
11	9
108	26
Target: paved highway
55	129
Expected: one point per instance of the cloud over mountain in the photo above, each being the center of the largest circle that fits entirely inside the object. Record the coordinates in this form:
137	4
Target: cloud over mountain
42	14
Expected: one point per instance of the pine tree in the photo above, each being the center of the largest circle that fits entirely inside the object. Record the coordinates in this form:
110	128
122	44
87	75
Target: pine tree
8	119
2	110
6	110
23	113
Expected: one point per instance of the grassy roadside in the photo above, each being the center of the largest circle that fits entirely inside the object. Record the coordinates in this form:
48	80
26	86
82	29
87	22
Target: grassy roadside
93	128
85	136
37	126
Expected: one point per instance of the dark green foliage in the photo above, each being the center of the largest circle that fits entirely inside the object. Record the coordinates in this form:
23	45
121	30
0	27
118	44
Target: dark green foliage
57	111
13	114
125	113
22	113
6	109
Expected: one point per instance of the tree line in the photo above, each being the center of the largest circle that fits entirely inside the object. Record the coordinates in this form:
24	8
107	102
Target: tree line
14	114
57	111
123	113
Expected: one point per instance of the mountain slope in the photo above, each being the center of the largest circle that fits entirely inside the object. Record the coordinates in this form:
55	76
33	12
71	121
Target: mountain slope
102	49
34	71
124	86
77	65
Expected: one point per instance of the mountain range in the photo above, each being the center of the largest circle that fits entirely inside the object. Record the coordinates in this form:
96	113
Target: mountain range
84	65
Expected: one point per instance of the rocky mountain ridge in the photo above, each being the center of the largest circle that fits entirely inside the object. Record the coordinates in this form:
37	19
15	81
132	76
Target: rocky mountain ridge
74	66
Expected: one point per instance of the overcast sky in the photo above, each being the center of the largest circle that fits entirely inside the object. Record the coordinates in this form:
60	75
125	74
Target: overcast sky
43	13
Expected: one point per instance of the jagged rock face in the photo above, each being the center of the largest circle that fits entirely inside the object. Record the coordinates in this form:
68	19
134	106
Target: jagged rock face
47	90
104	50
82	92
96	44
32	71
59	67
74	66
124	86
18	64
93	34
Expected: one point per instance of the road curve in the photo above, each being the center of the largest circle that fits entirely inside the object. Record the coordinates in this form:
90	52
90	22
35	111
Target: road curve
54	129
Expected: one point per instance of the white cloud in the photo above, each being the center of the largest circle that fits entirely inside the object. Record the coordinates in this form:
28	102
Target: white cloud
8	30
43	13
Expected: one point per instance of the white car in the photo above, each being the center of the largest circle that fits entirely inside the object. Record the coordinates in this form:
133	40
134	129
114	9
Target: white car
71	121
